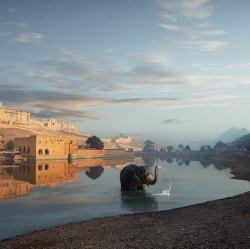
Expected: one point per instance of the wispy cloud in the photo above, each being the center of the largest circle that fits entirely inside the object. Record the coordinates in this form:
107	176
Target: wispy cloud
171	121
194	9
12	9
15	23
204	45
171	27
213	32
191	18
80	73
155	69
29	37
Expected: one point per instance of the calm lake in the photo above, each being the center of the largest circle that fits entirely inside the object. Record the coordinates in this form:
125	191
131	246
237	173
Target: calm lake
43	194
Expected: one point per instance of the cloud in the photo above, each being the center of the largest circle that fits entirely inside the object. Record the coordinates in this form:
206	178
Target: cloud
12	9
170	27
213	32
171	121
65	104
204	45
191	9
155	69
29	37
72	70
15	23
147	101
64	114
76	73
191	21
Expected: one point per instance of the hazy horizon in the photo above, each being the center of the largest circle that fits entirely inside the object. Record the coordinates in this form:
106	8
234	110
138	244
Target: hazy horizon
171	71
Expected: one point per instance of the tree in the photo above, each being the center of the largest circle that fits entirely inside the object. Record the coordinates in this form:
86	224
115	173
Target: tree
242	143
187	148
170	148
95	143
221	146
149	146
9	145
180	147
163	150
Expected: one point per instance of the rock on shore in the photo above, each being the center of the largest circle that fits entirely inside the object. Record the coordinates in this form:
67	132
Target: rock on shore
215	224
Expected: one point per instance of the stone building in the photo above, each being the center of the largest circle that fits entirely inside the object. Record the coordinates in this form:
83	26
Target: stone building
45	147
123	139
56	125
12	116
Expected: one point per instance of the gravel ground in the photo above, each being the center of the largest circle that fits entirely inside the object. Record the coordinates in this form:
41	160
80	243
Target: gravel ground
216	224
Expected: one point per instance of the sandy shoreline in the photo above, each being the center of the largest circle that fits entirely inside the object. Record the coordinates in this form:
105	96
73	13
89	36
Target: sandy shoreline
220	224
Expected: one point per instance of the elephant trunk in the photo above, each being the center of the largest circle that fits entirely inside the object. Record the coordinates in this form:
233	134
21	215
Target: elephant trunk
152	180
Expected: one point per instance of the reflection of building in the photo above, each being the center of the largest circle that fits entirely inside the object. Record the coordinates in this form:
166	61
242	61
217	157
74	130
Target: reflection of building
46	173
45	147
10	187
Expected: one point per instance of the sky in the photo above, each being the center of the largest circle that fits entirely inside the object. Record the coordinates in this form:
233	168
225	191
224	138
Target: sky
174	71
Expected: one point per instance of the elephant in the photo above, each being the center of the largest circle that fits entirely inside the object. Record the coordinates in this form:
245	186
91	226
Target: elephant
133	177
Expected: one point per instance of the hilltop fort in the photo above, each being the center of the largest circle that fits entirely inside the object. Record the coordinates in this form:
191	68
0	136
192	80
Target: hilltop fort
18	124
10	117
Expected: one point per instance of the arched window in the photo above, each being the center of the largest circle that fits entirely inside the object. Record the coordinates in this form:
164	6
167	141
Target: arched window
40	152
46	166
24	149
28	150
46	152
20	149
40	167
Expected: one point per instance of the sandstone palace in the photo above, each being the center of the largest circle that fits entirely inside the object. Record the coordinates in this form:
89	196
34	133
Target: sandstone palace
12	117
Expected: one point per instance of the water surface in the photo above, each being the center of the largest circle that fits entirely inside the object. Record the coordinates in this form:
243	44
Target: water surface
43	194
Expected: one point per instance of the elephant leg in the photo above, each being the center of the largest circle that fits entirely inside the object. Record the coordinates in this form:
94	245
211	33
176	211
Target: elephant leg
136	184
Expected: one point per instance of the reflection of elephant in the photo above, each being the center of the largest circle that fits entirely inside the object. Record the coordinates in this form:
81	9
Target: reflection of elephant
134	177
138	201
94	172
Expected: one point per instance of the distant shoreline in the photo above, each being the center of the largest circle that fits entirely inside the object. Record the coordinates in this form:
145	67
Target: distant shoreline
239	165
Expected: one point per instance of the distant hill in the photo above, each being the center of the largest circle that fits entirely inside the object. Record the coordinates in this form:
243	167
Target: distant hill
232	134
242	143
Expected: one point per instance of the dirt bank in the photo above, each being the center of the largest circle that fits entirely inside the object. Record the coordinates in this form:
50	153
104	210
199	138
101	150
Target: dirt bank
240	167
216	224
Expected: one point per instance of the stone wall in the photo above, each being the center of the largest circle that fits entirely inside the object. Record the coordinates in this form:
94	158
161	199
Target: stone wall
9	117
12	116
